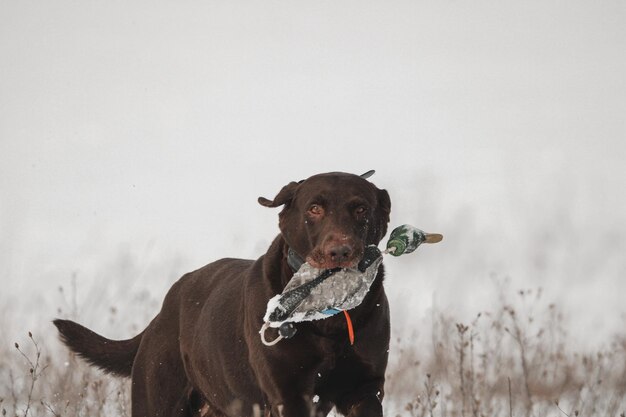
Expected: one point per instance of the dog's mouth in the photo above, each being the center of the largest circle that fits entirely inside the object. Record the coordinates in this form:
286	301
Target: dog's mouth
320	261
331	265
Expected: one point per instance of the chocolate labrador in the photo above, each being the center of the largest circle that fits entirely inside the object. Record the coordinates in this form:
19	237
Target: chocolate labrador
202	354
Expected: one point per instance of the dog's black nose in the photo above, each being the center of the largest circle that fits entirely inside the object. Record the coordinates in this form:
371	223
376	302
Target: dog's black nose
339	253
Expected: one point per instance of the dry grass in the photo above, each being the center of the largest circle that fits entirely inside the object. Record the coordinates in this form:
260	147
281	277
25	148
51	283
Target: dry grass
38	377
513	361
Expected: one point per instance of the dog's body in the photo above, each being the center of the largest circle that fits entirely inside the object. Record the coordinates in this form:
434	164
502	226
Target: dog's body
202	354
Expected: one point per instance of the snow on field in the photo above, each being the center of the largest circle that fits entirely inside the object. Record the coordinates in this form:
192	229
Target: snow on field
135	140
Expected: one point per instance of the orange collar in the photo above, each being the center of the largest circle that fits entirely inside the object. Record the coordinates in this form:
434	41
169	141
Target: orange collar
350	328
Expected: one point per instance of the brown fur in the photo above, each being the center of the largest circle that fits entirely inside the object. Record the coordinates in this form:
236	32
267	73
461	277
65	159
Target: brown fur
202	354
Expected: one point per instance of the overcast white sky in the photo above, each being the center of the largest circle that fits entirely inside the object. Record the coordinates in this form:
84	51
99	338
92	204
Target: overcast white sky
150	128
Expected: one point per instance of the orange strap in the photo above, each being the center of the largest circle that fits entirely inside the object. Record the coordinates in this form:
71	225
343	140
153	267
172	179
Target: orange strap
350	329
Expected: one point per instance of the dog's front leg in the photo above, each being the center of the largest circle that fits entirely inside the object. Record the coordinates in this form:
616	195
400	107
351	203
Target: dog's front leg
292	407
290	394
287	379
365	401
369	406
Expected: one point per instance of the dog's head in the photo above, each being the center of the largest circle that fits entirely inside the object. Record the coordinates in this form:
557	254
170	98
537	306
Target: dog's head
329	219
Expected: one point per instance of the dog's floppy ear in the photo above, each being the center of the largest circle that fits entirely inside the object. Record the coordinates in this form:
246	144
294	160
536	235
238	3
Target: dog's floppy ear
284	196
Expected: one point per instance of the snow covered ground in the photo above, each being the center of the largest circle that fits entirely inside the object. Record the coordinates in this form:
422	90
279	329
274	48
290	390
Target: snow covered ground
135	139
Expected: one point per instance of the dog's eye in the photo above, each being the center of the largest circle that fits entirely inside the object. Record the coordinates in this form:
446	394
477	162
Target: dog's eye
360	210
316	210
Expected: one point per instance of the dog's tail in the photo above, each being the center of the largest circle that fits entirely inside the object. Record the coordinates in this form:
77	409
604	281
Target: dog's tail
113	356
